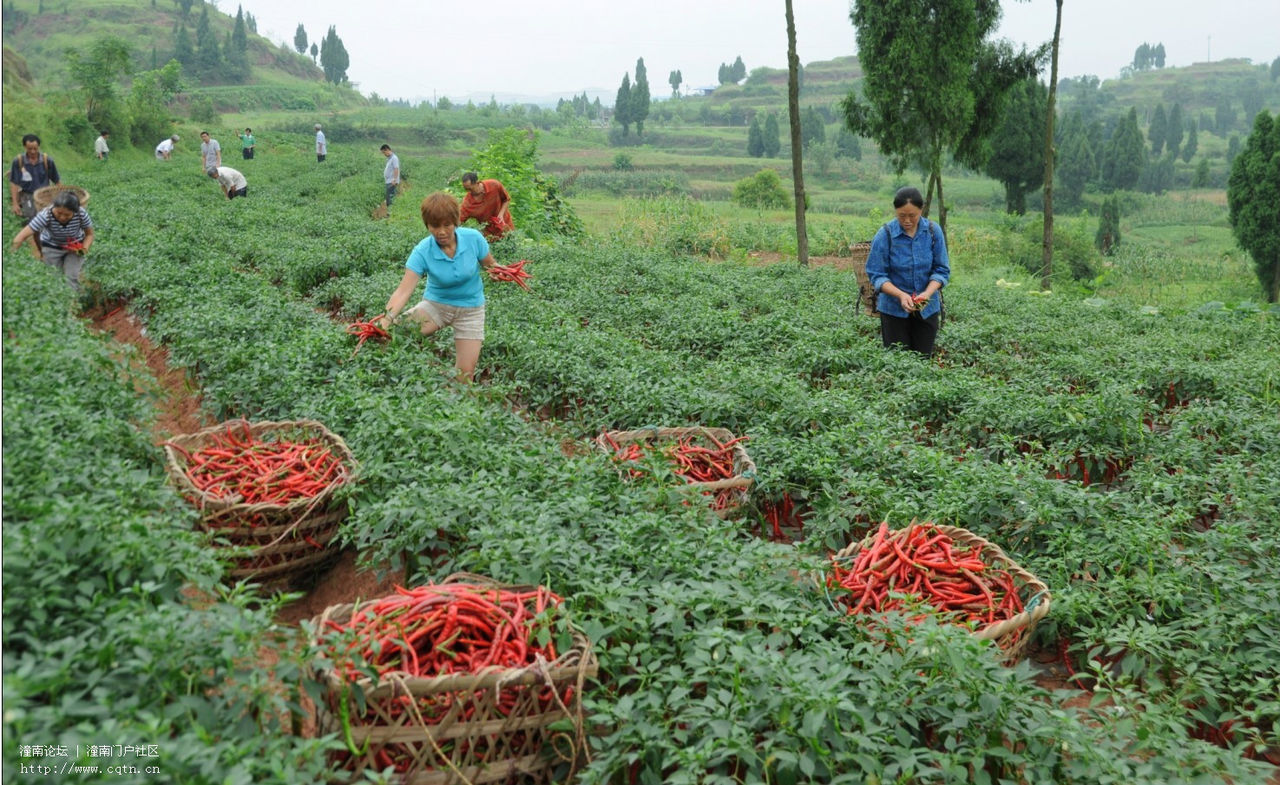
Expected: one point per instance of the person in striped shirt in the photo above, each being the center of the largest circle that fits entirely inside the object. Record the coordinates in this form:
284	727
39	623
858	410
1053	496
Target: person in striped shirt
65	232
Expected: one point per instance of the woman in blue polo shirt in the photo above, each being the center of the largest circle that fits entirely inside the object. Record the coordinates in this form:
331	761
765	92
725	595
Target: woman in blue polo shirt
908	266
451	259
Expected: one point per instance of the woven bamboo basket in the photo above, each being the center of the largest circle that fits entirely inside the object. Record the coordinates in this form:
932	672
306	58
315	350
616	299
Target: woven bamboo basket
744	467
475	741
43	197
284	542
1010	635
866	294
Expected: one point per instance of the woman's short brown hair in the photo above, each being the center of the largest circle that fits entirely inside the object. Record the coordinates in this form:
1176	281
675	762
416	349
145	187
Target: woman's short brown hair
440	209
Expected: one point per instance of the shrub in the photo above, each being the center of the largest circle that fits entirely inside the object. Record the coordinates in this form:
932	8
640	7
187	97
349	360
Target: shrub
763	190
622	163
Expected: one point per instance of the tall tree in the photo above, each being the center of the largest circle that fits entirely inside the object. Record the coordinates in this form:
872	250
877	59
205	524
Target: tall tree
1157	55
1252	97
208	53
1017	157
738	71
674	80
1173	130
1157	129
1046	260
755	138
1126	154
934	84
812	129
797	147
1108	236
315	51
300	39
622	105
333	57
1079	162
97	72
183	51
847	145
238	52
723	76
1189	149
640	97
1253	201
1224	116
772	136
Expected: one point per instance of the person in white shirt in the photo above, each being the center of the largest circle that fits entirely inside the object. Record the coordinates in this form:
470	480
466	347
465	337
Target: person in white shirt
100	148
321	147
391	173
232	182
164	150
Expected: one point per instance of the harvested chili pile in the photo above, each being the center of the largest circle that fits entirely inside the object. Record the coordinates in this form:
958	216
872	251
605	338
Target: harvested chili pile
919	564
511	272
689	458
365	331
235	463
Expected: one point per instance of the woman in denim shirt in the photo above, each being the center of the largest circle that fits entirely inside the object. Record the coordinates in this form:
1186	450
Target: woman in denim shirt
908	267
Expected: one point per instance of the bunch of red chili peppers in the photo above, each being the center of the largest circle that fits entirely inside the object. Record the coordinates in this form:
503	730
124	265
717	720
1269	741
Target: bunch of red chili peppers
75	246
437	630
691	460
236	463
511	272
921	564
365	331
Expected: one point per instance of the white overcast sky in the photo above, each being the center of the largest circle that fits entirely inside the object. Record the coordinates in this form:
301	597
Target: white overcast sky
419	49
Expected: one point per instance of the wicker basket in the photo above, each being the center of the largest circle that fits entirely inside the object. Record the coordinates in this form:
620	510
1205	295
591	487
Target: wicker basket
43	197
285	541
866	294
475	742
1010	635
744	468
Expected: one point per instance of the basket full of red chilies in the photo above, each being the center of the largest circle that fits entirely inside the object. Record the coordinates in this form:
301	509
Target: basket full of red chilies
456	682
267	489
944	570
711	459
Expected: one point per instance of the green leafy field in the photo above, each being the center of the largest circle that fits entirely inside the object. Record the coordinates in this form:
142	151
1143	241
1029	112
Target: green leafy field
720	662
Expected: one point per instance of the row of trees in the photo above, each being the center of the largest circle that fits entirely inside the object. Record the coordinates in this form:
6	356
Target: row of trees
331	53
1146	57
209	60
732	74
631	105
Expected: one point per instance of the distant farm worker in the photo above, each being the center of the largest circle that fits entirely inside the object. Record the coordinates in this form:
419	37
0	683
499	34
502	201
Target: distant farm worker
321	147
30	172
390	173
232	182
487	202
210	152
64	233
247	143
908	266
450	258
164	150
100	148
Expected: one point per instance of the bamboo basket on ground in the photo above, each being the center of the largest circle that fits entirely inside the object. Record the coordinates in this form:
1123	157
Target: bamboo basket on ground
43	197
475	741
744	469
866	294
1010	635
285	542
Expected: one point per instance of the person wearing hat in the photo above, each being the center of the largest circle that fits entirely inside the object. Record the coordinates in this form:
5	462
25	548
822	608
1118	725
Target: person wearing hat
321	147
63	233
164	150
232	182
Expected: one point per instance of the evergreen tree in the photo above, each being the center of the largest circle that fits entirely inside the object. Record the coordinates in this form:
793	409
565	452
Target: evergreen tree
238	52
1108	236
1077	161
1173	131
300	39
1252	98
772	136
333	57
208	53
812	128
1224	116
723	74
1189	149
848	145
1157	55
1201	178
755	138
251	22
1275	69
315	51
1017	157
1233	148
674	80
622	105
640	97
1157	130
1253	201
738	70
1126	155
1157	176
183	51
1142	57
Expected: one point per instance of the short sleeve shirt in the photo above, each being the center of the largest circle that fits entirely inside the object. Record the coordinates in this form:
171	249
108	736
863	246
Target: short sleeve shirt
210	150
389	173
246	141
320	146
231	179
100	145
485	208
31	177
165	147
452	281
55	234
